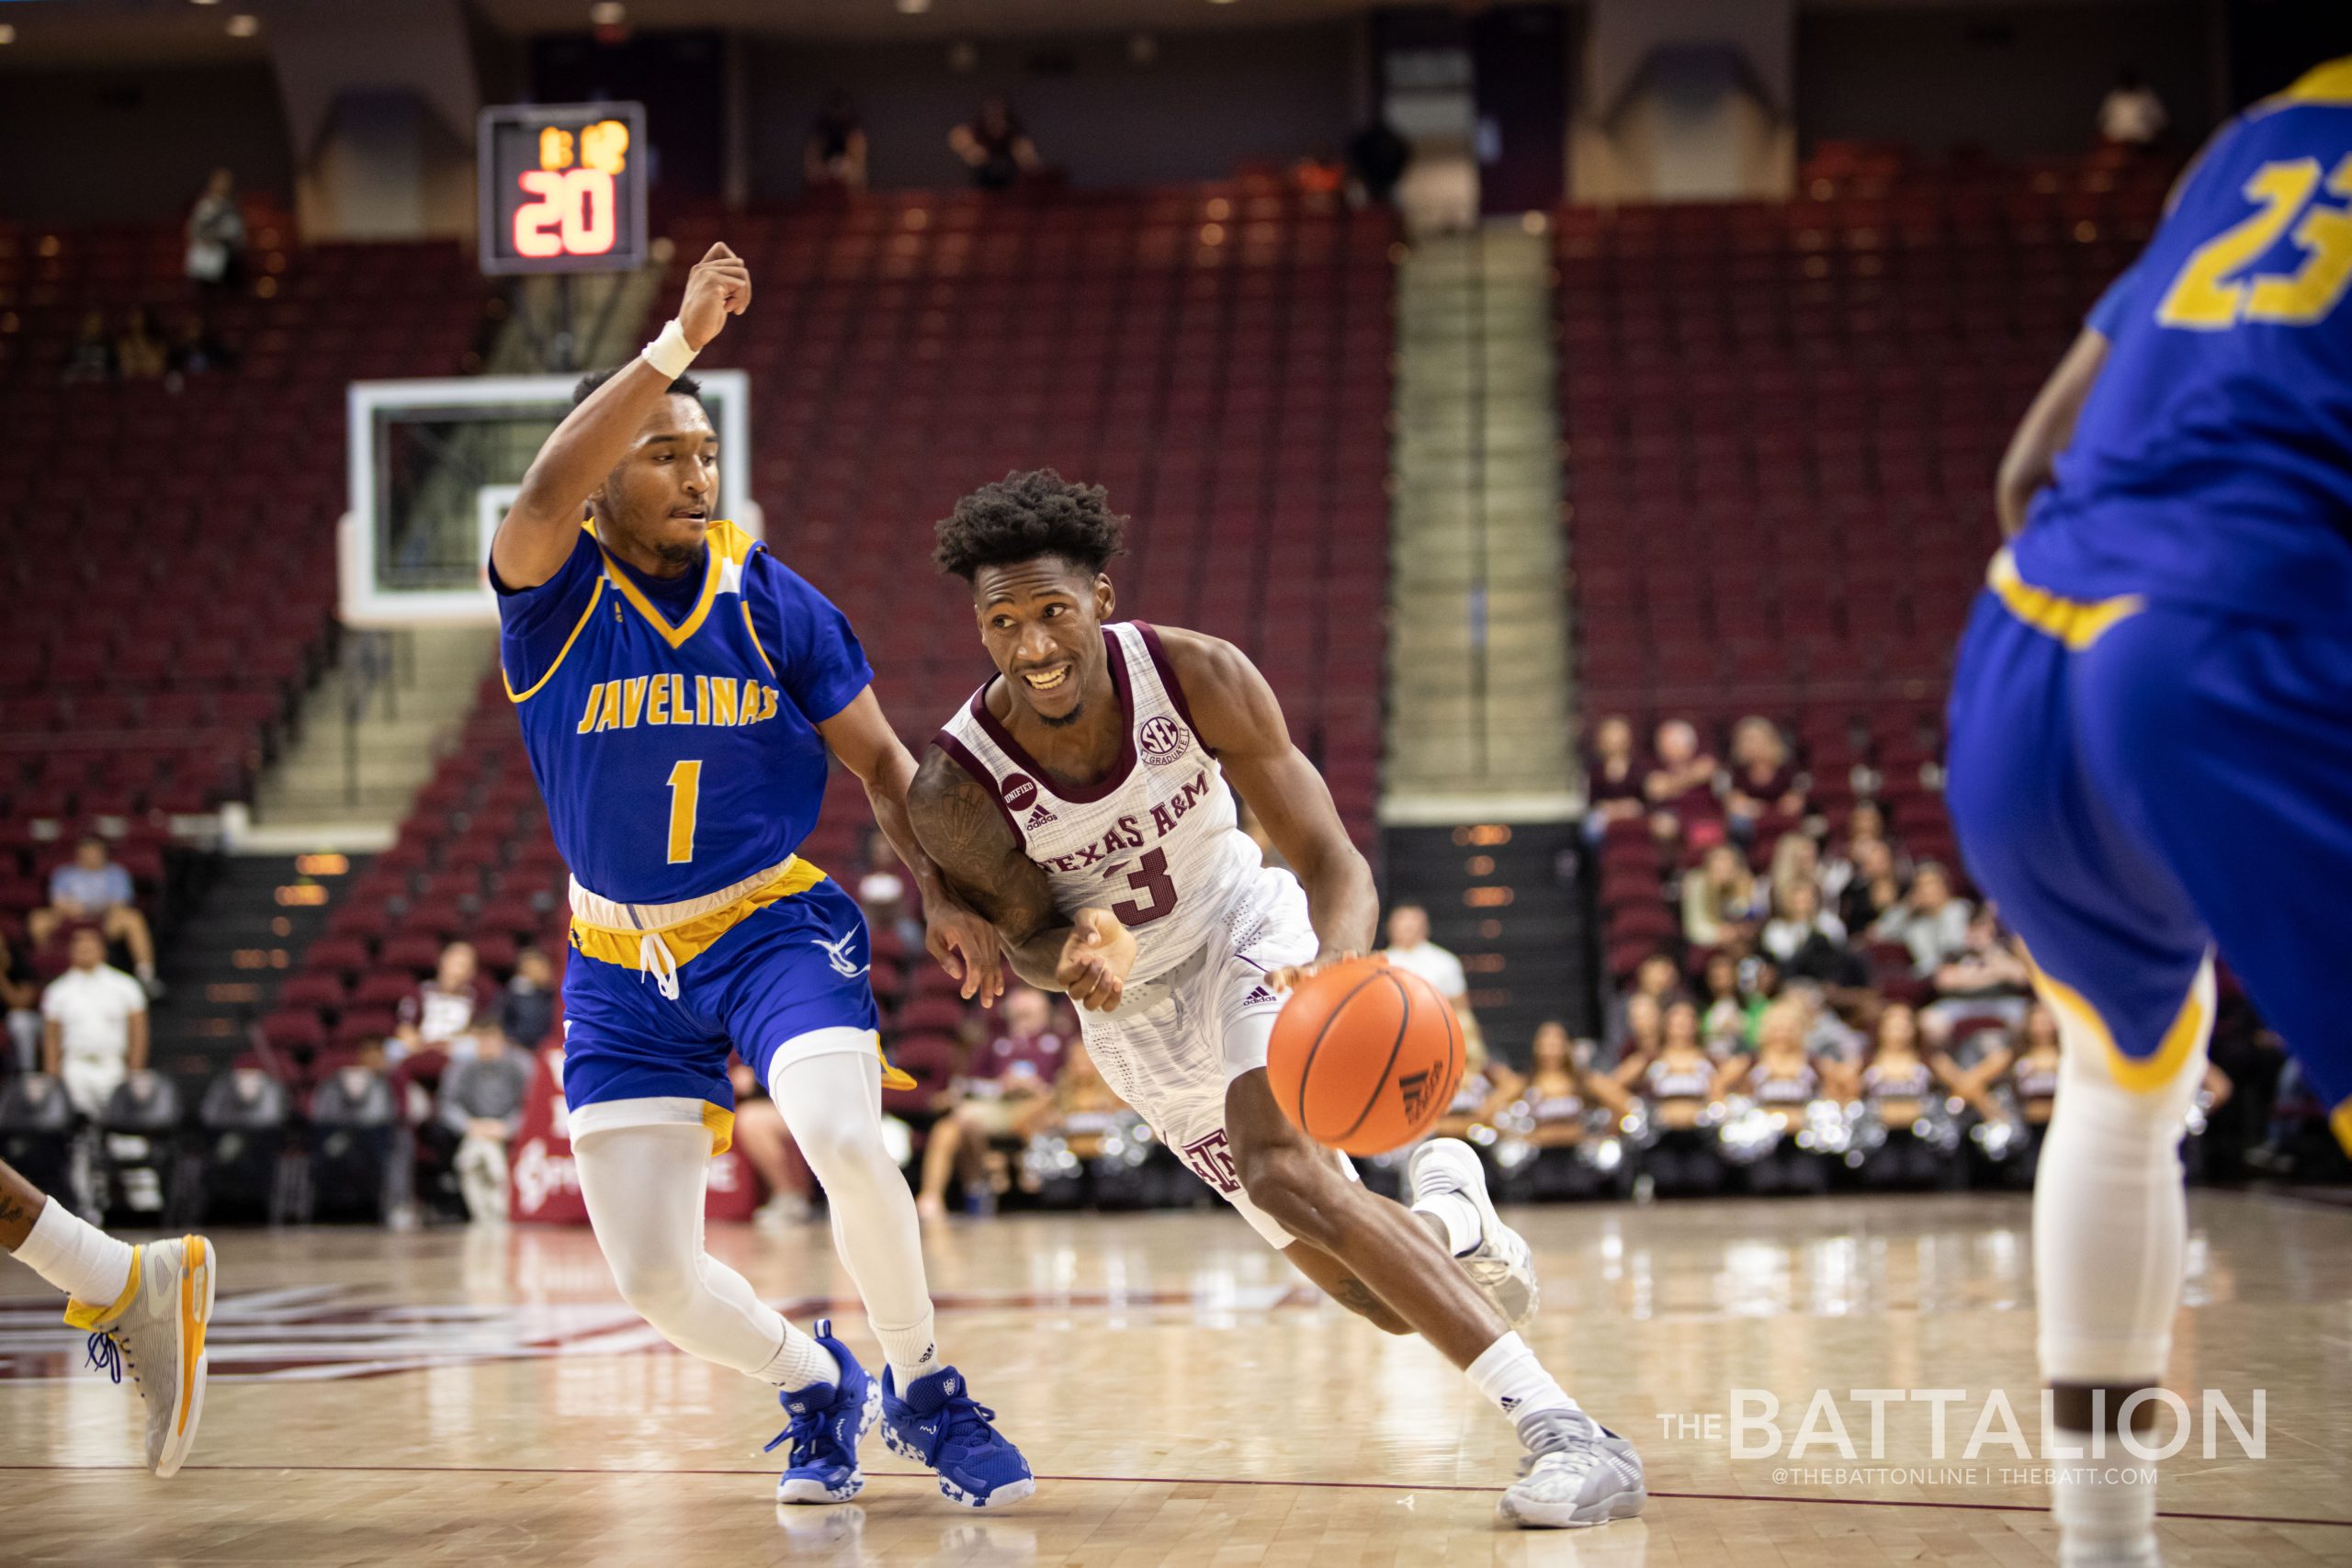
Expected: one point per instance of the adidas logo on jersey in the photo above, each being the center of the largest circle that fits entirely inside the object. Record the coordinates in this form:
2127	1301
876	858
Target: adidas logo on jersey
1257	994
1038	817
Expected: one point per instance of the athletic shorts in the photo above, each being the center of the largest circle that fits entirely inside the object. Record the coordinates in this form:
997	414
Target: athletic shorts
788	969
2136	784
1182	1037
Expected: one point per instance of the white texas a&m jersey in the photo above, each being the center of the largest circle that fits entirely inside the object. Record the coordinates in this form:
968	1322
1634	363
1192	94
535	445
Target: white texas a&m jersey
1156	842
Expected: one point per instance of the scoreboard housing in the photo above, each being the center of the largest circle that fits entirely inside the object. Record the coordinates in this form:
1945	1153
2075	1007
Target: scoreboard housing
562	187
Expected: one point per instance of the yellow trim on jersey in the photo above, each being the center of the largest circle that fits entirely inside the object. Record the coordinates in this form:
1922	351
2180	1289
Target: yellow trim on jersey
2140	1075
756	643
2328	83
2074	622
89	1318
721	1124
725	539
2341	1122
688	939
596	596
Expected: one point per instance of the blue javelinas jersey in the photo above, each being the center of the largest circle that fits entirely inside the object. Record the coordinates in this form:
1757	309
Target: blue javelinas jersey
676	742
2212	461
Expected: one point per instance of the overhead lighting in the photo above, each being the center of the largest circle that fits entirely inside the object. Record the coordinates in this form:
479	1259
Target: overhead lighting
607	14
243	24
913	8
1220	2
7	33
204	2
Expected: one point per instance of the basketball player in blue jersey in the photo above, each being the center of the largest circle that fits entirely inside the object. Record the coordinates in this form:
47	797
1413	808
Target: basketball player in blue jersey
679	688
1082	801
2152	731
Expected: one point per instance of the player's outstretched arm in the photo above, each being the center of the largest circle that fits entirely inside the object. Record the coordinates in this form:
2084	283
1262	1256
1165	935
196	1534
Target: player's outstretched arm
1240	718
2030	461
540	528
962	941
964	831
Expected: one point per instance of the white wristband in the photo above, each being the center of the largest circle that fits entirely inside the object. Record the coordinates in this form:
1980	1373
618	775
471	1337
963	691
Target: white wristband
671	353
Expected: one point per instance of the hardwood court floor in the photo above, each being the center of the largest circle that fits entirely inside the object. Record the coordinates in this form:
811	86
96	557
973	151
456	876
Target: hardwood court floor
482	1398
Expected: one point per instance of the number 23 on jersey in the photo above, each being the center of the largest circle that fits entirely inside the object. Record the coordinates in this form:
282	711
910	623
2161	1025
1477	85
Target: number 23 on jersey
2217	288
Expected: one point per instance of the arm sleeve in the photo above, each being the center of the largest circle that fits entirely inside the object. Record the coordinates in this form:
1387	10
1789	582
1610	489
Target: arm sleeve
817	657
534	624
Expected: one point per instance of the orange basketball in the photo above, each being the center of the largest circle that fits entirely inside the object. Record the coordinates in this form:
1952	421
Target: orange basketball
1364	1056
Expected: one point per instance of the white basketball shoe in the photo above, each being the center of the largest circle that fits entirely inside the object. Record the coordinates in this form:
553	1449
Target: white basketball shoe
1576	1472
155	1331
1502	1264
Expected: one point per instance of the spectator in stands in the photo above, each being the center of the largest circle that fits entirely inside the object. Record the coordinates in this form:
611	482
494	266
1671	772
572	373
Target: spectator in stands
216	238
1865	825
1657	979
1723	1018
882	893
2131	116
91	889
1931	920
482	1102
1378	156
196	351
1007	1076
1796	861
139	353
526	1007
1986	978
95	1022
1677	1086
1765	785
1681	787
439	1014
1645	1030
20	999
1486	1086
1871	887
1613	778
1081	1109
995	146
765	1141
1720	900
1409	947
1805	939
2032	1068
92	356
835	152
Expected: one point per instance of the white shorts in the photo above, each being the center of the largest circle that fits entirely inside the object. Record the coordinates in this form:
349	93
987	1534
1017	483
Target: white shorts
1185	1036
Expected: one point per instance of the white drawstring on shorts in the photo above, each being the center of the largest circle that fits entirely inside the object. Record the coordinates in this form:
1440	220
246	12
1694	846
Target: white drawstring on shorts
653	958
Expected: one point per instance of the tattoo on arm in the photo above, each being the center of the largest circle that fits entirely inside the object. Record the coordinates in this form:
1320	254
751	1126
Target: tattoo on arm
1355	1296
13	1213
965	835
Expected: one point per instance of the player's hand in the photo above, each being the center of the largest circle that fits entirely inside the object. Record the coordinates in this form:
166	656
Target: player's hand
719	286
966	946
1289	975
1095	960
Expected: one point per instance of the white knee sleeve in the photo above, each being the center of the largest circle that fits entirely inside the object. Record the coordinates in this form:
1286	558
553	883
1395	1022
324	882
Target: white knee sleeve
2110	1218
832	1102
643	1186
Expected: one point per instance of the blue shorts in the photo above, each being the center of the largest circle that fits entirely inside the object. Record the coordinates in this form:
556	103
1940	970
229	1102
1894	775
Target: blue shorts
632	1056
2136	784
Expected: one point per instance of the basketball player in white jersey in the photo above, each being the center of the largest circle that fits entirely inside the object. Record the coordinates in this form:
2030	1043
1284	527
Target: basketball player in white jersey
1079	802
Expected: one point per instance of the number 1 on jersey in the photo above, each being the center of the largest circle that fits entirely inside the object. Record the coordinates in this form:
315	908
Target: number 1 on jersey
686	794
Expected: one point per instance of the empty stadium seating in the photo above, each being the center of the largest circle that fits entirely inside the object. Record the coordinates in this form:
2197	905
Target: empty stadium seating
167	551
1782	423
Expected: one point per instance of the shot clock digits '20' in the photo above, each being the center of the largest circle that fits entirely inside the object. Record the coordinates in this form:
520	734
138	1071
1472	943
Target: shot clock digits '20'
562	187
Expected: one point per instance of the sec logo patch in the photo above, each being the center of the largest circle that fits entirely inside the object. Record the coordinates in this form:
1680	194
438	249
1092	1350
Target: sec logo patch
1163	740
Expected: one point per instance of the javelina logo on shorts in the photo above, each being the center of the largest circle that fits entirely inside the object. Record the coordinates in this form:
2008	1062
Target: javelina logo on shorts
1019	790
1163	740
1416	1088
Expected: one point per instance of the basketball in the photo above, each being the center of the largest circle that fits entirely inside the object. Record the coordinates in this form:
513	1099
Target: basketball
1364	1056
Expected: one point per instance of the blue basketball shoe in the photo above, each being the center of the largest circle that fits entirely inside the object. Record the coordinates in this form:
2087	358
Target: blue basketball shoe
941	1427
826	1421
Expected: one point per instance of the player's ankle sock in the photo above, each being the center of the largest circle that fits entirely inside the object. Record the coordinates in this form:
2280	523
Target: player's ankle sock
1509	1373
801	1361
2105	1520
1456	1218
76	1257
912	1351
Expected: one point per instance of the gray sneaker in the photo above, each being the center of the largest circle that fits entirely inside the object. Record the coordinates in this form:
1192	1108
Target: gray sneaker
1502	1264
1576	1472
156	1334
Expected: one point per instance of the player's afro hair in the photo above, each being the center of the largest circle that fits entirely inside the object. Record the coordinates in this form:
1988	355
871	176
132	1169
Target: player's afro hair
1025	515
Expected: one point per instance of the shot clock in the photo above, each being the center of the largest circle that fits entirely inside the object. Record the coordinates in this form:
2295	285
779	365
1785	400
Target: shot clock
562	187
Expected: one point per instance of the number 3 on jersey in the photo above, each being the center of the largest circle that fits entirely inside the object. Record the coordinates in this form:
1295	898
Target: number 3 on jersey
686	796
2206	297
1149	878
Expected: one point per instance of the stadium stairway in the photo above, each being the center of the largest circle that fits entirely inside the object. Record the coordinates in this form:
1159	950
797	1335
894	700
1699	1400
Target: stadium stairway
369	741
1478	663
229	956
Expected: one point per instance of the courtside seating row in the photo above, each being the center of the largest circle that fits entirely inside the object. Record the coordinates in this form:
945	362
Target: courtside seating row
173	595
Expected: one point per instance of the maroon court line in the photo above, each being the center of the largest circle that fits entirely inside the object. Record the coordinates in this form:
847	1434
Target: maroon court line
1153	1481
